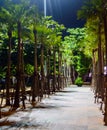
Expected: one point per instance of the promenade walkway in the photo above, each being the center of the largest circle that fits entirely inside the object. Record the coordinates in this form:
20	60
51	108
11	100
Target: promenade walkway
71	109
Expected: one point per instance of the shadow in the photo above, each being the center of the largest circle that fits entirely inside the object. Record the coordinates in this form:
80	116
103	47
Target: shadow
24	125
63	91
18	124
6	123
7	113
51	107
45	106
61	99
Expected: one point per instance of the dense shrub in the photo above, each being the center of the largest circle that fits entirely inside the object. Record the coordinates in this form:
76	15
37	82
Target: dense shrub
79	81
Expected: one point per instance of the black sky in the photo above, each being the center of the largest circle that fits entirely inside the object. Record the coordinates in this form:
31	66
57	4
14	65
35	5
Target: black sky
63	11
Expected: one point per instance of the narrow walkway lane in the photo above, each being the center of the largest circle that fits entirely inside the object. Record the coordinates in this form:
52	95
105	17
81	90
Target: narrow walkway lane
71	109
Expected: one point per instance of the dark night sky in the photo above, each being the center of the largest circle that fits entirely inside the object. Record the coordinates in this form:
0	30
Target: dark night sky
63	11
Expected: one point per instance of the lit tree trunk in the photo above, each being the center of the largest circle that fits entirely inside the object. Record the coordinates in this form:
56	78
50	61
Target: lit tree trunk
20	72
8	75
103	86
72	74
65	70
22	77
54	75
48	70
19	65
105	30
99	59
100	66
59	69
42	70
99	78
35	84
94	69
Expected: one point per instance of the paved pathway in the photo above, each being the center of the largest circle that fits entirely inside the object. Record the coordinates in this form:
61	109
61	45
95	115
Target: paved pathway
71	109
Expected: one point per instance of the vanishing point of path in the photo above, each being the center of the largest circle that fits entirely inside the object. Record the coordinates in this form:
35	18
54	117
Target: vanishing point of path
71	109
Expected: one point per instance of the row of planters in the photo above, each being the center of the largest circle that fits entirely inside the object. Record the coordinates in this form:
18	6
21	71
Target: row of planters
30	46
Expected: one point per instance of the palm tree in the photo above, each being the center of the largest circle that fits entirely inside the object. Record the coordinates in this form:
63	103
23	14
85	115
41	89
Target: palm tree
105	31
8	82
34	23
20	12
35	84
7	19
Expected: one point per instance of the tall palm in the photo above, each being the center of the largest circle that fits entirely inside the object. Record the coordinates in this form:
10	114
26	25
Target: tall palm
7	19
35	84
43	33
33	15
105	31
20	12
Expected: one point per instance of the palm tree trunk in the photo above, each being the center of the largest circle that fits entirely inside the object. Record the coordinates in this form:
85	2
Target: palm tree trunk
18	73
94	69
105	31
54	76
35	84
48	71
42	70
8	75
59	69
100	66
22	78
